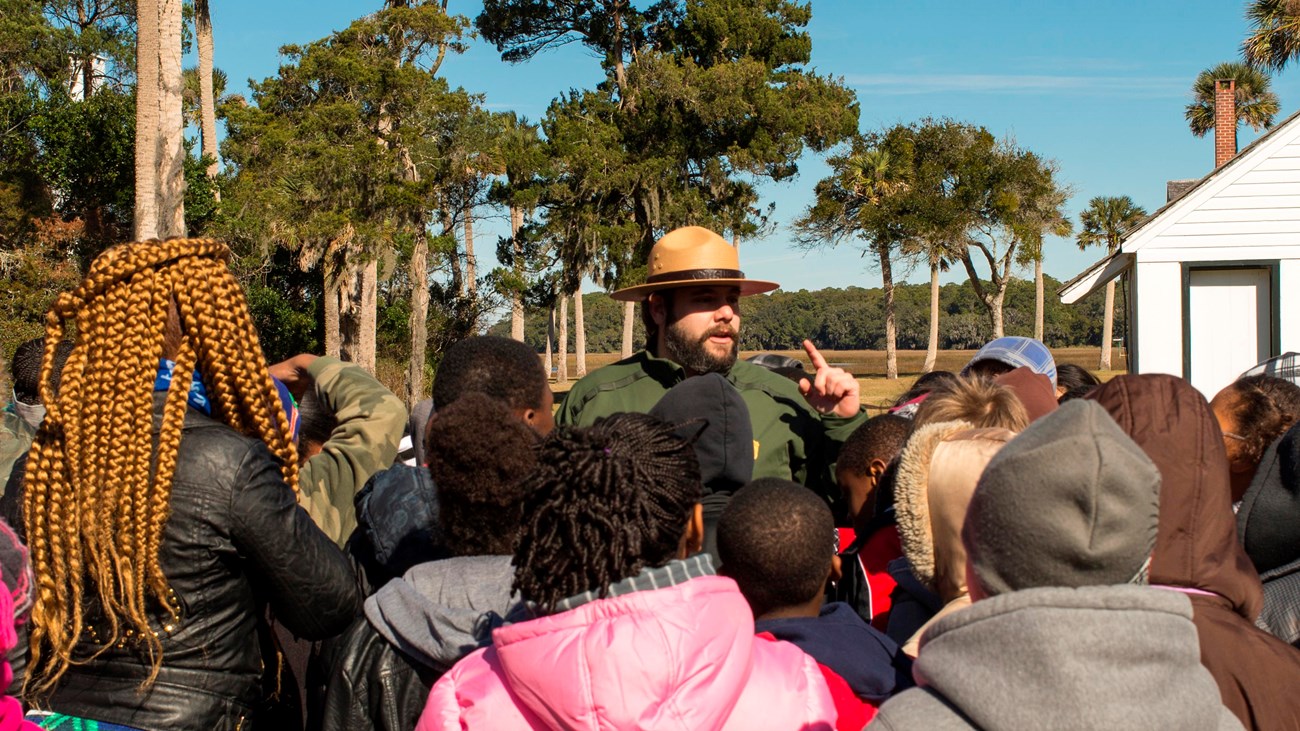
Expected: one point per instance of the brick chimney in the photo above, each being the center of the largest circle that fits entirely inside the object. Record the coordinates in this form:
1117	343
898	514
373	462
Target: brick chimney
1225	121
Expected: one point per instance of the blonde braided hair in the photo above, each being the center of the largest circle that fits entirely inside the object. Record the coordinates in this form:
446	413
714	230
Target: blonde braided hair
98	483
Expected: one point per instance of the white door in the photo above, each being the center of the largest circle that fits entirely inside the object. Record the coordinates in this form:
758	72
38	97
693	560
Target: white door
1231	325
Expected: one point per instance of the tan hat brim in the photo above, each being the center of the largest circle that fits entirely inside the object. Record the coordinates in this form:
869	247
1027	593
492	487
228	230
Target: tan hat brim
641	291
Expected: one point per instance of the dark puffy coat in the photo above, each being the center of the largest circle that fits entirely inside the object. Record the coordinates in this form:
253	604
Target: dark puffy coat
397	525
235	540
1268	523
1197	547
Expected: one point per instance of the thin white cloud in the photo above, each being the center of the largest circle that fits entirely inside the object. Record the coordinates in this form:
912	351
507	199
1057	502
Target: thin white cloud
1026	84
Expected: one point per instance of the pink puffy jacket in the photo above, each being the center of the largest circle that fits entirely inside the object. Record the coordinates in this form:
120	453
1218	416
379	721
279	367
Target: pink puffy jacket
683	657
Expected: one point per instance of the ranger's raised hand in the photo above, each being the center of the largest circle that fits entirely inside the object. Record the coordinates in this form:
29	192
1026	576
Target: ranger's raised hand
831	390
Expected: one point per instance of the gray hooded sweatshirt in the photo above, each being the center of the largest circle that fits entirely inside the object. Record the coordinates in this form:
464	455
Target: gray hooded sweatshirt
1111	658
441	611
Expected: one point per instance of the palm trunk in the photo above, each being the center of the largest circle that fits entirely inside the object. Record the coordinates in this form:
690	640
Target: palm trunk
579	333
932	347
517	297
1108	327
471	265
146	120
1038	298
171	123
419	319
629	328
891	329
207	102
562	343
550	338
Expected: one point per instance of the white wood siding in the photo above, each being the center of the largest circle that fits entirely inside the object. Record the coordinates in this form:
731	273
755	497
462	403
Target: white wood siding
1159	288
1249	210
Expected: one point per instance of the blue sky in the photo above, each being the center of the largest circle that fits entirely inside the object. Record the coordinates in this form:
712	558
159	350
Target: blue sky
1098	86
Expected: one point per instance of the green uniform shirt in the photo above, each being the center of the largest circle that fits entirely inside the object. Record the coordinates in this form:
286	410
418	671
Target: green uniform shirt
791	440
370	424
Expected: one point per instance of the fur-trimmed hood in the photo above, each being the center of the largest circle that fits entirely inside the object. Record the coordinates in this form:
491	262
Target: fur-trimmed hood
937	473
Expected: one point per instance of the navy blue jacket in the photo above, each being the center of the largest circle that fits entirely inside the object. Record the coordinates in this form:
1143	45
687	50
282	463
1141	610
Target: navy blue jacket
869	661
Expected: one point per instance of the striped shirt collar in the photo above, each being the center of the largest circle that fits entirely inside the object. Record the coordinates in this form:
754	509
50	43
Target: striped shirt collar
670	574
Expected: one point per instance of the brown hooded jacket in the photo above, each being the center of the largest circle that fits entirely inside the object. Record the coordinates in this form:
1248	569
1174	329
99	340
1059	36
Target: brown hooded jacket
1197	547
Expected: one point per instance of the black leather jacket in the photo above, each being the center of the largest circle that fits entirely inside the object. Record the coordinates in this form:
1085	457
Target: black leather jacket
372	686
235	541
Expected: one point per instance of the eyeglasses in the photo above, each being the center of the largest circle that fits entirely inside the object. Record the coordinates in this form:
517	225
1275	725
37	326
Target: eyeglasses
1230	435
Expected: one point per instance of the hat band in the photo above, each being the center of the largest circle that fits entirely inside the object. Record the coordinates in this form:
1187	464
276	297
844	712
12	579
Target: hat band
695	274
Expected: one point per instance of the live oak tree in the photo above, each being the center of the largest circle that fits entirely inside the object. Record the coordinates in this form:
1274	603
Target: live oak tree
343	155
935	205
701	99
1012	193
522	156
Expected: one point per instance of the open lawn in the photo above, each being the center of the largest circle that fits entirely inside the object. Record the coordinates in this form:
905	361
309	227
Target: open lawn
869	367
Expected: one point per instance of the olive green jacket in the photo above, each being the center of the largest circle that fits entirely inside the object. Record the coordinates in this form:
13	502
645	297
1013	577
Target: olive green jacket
370	424
791	440
15	440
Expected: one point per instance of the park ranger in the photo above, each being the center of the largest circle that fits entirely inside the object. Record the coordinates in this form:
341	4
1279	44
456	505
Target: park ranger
690	305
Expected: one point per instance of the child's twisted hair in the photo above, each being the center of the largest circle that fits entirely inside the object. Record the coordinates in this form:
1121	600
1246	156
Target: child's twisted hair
605	502
98	481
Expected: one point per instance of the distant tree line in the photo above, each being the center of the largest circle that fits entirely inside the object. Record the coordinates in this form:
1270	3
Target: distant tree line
853	318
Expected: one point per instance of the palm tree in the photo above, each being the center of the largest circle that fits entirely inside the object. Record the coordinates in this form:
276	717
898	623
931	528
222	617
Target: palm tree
171	123
1105	221
207	80
1046	218
146	120
1274	39
872	176
1256	102
851	203
160	127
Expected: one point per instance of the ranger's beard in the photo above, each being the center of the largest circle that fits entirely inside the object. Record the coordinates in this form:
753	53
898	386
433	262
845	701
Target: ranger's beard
694	354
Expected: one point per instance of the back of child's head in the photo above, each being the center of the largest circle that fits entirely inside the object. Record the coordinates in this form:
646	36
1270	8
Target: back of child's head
777	539
316	421
26	367
604	502
924	384
504	369
1283	394
1070	377
1259	409
480	456
879	438
977	401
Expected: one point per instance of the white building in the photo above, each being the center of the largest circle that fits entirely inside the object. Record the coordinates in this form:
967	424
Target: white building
99	70
1213	277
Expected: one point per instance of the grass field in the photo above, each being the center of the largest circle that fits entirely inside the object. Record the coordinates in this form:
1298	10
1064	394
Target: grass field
869	367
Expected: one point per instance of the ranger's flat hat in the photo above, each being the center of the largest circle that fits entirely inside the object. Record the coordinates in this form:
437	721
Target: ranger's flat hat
692	257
